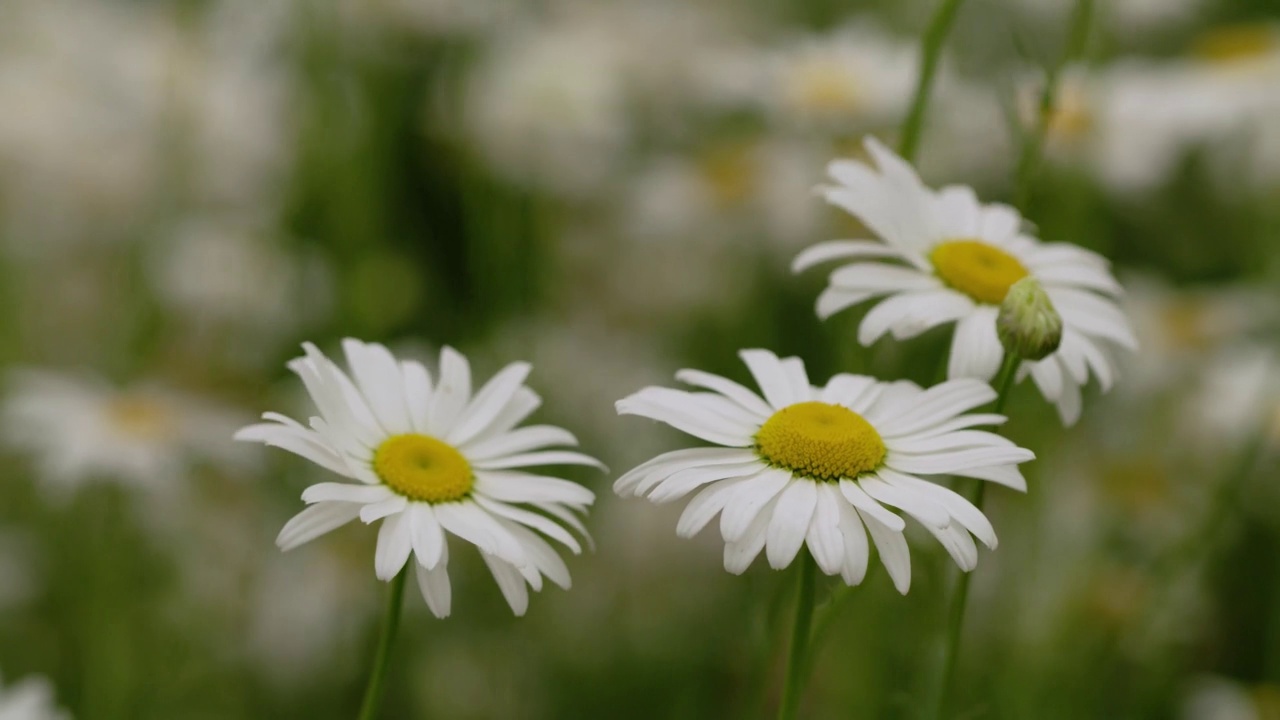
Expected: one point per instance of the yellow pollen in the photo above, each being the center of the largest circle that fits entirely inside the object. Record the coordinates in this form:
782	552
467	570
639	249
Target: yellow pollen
423	468
1236	44
139	417
824	87
730	171
981	271
820	441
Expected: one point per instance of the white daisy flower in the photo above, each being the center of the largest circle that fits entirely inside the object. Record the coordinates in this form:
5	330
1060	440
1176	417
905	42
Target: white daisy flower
80	429
30	699
816	466
945	257
433	459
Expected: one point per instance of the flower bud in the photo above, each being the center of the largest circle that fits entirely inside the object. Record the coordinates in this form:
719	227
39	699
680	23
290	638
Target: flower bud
1028	325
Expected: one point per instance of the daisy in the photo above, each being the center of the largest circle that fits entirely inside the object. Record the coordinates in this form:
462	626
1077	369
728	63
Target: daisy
821	466
944	257
31	699
432	459
80	429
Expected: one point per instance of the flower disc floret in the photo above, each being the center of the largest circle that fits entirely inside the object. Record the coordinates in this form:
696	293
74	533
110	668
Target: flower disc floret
423	468
820	441
977	269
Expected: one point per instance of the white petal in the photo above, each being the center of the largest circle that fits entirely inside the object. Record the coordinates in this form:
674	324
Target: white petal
531	437
921	508
704	506
686	415
417	393
856	550
686	481
739	555
771	376
315	521
911	313
848	390
488	402
510	582
833	299
542	555
533	459
882	278
841	249
467	521
1092	315
531	519
519	487
963	511
748	500
342	492
958	544
824	539
935	405
746	398
383	508
451	394
521	405
868	506
790	522
892	547
299	441
641	478
434	585
426	534
377	374
952	463
976	351
395	542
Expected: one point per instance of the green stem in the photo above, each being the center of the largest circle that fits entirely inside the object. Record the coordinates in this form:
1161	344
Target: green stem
797	661
935	37
373	692
960	599
1033	144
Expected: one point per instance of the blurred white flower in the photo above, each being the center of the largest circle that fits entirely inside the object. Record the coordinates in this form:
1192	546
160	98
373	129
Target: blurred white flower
945	257
1236	397
1129	17
1212	697
548	107
233	104
305	612
806	465
30	699
854	76
80	430
84	87
433	460
216	271
753	189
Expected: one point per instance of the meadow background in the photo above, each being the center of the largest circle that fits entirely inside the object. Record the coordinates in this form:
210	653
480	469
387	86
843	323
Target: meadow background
612	191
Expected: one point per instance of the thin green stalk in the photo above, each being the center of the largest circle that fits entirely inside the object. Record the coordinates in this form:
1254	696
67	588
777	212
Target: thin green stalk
1033	144
797	659
960	598
390	622
935	37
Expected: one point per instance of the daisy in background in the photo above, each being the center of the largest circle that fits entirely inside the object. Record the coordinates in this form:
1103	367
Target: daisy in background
30	699
432	459
81	429
943	257
822	466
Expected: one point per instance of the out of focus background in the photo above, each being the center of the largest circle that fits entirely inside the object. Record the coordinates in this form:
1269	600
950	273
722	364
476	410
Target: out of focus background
611	190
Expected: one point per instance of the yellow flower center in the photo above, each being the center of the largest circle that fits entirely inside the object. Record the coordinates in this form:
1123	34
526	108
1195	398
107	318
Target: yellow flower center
823	87
423	468
1236	44
730	172
820	441
139	417
981	271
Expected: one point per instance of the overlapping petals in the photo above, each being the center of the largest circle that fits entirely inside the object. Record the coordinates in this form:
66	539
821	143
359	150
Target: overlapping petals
510	512
771	509
910	219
